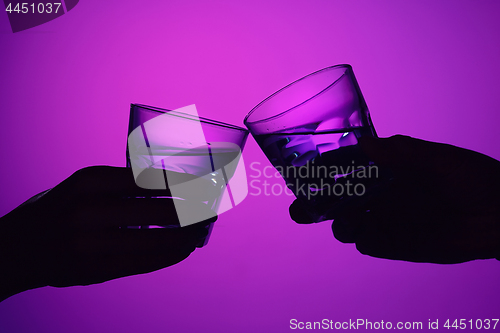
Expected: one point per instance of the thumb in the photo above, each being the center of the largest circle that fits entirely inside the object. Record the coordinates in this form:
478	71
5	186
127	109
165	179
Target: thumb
402	153
394	151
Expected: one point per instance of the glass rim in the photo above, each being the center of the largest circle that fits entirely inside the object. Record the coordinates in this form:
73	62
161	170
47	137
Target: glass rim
189	116
247	123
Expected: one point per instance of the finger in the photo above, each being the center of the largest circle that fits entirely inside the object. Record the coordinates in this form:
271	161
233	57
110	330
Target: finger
395	234
329	207
404	155
300	213
385	151
304	212
101	268
374	234
370	214
378	246
347	157
347	227
141	264
397	150
142	211
398	246
139	241
101	178
107	180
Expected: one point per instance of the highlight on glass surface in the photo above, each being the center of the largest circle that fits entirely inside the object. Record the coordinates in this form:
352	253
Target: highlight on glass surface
309	131
193	159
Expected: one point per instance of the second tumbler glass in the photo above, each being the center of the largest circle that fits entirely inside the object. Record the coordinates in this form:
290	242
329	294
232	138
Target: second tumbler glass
309	131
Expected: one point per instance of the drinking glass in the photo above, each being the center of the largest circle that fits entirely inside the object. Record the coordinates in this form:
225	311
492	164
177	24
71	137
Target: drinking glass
189	158
309	131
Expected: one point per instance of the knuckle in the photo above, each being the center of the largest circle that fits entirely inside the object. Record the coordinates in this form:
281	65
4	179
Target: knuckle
86	179
80	177
362	248
341	235
399	137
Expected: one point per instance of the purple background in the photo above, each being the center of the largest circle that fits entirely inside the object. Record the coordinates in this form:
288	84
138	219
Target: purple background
428	69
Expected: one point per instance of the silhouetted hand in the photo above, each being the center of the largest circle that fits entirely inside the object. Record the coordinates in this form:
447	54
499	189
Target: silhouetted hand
442	205
76	234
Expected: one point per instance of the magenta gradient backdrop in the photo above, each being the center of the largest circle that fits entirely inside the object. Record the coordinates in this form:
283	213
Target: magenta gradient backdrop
428	69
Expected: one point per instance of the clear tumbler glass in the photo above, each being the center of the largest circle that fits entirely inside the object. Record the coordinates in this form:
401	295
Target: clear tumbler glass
190	158
309	131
